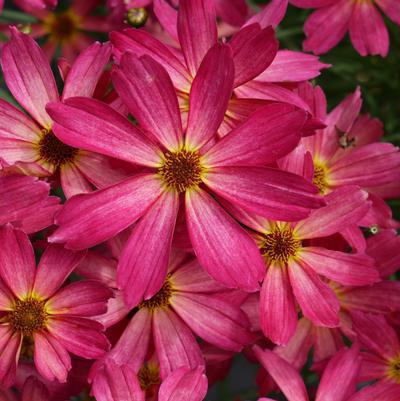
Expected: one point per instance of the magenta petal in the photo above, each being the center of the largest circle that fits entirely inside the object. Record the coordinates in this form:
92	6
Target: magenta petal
391	9
117	383
285	375
87	220
184	385
10	345
343	368
86	71
224	249
34	390
80	336
82	298
278	315
253	51
174	342
80	122
344	268
215	321
272	14
73	182
209	96
275	131
317	301
143	265
368	32
51	358
28	75
55	265
197	30
266	192
17	261
146	88
382	390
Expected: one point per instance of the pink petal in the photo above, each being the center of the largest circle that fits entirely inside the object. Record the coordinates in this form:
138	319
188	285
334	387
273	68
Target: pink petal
174	342
253	51
184	385
167	16
87	220
10	346
233	12
28	75
80	122
317	301
368	32
217	322
223	248
142	43
143	265
17	261
147	90
51	358
278	315
55	265
80	336
346	206
292	66
275	131
266	192
343	368
209	96
381	390
272	14
86	71
82	298
344	268
312	3
197	30
117	383
34	390
6	298
285	375
326	27
73	182
391	9
16	125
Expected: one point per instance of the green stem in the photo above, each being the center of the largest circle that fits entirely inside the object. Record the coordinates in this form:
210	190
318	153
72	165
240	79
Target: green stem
17	16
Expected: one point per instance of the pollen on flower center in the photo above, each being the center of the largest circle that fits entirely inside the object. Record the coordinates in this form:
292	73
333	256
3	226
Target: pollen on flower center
319	178
148	376
62	27
181	170
28	316
53	151
161	299
137	17
394	369
279	245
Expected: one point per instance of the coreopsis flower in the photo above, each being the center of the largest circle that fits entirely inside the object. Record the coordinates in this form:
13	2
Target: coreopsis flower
185	167
35	310
380	359
259	67
327	26
338	381
16	207
67	30
29	143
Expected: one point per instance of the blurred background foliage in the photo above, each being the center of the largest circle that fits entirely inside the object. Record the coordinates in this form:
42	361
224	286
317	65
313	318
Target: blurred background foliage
379	79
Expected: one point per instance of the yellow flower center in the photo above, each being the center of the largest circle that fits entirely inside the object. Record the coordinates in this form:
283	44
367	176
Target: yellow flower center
55	152
279	245
149	376
162	298
394	369
319	178
137	17
28	316
181	170
62	27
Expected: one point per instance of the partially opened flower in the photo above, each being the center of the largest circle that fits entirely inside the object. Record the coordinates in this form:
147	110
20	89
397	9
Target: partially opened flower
182	167
30	143
327	26
35	310
29	213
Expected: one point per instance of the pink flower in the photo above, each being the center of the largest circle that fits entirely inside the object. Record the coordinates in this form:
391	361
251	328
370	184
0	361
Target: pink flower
294	266
32	390
16	207
28	143
35	310
179	166
327	26
337	383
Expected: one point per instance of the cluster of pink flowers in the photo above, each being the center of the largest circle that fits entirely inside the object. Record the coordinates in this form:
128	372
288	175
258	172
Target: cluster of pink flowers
187	197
